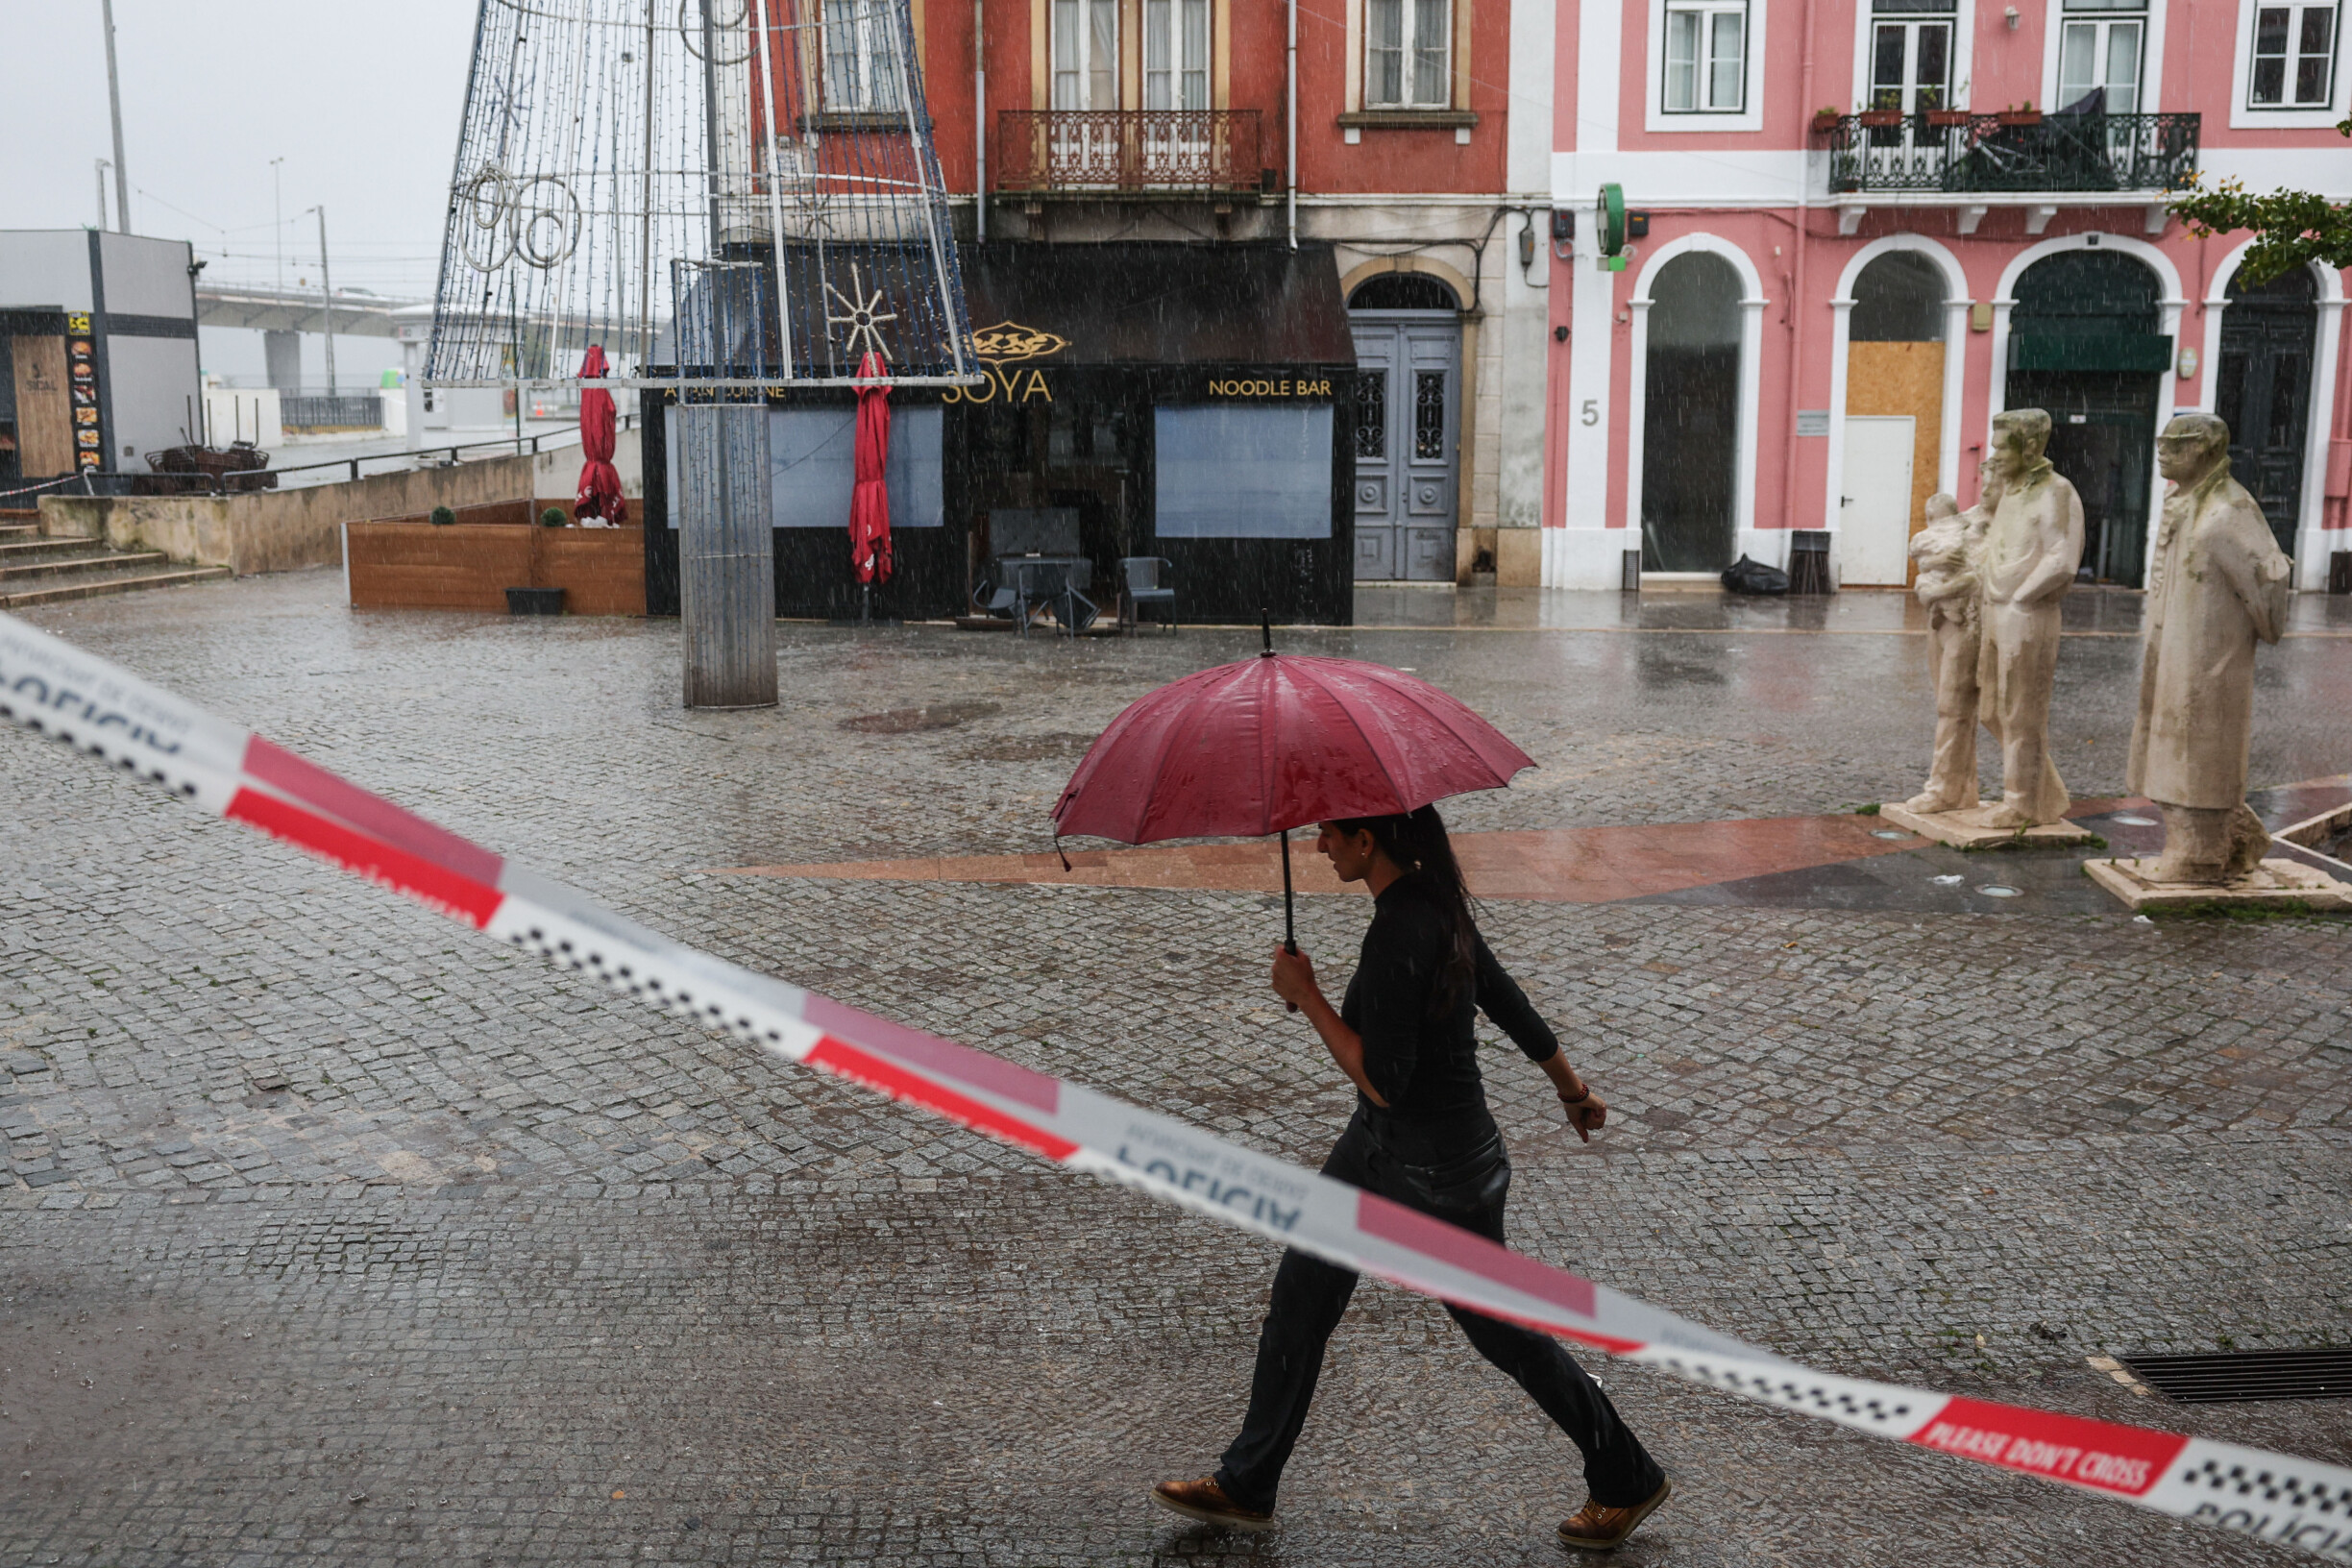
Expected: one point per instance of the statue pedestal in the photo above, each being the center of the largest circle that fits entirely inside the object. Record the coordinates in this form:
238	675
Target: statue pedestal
1965	829
2281	885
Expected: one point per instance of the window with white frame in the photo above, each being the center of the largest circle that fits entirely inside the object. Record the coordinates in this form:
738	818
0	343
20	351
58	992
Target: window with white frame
2102	46
1706	58
1409	54
1911	54
1175	54
2294	57
861	74
1085	54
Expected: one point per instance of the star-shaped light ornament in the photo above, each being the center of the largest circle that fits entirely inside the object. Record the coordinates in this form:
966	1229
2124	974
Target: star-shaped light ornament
865	317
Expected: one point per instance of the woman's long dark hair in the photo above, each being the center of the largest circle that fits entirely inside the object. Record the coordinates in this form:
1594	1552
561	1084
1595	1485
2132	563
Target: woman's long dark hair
1416	843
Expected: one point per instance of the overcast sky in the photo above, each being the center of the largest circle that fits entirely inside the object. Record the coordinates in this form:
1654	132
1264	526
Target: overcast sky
362	101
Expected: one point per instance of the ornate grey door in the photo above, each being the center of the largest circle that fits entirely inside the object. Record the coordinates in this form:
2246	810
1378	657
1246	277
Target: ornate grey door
1406	430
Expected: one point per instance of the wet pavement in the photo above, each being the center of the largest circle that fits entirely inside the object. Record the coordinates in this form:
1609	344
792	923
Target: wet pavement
333	1232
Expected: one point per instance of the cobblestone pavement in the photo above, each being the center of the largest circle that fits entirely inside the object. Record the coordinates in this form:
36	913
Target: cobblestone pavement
336	1232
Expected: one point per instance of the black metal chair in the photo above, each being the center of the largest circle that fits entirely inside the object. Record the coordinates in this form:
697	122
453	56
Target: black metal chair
1143	582
1051	584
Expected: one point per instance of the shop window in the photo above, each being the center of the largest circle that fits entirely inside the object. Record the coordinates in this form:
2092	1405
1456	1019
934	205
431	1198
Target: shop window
1175	54
861	76
1243	472
1707	57
1911	54
2294	57
812	453
1408	50
2101	48
1085	54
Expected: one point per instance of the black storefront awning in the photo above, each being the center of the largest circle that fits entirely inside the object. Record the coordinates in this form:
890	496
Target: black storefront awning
1148	303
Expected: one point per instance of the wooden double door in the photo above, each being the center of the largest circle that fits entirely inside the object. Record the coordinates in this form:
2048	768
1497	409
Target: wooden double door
2262	390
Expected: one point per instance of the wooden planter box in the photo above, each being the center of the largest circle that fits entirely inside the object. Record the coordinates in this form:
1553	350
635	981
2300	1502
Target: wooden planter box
397	564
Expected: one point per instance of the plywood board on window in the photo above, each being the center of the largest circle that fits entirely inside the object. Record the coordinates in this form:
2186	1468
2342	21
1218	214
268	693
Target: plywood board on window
44	411
1903	379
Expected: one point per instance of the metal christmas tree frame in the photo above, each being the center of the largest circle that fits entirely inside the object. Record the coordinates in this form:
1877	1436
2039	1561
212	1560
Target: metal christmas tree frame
723	194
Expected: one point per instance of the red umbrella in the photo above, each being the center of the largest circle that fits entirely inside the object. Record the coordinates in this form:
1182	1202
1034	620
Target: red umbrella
1274	743
599	482
870	540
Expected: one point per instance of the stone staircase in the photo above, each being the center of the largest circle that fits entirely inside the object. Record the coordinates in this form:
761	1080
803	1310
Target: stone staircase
34	570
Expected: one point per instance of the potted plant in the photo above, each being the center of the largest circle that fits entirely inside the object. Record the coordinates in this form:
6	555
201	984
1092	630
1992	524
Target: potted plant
441	517
2019	115
1825	120
1880	116
1948	118
553	518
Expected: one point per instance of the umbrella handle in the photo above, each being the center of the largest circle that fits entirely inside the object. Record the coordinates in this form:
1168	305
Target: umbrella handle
1289	923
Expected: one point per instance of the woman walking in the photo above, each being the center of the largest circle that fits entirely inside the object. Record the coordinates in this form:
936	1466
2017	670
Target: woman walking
1421	1136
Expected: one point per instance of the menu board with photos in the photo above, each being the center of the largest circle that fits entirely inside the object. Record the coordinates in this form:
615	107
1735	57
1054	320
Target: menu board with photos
81	382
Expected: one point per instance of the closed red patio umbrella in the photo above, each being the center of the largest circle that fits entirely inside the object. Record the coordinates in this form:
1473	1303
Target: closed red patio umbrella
599	482
869	532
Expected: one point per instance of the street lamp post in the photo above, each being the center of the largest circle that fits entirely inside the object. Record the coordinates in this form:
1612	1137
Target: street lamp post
327	294
277	212
122	180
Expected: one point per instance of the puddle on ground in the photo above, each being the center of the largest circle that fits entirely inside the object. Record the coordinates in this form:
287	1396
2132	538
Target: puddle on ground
907	721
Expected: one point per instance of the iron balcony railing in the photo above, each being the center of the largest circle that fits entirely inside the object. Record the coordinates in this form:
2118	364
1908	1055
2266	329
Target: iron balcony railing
1113	152
1993	153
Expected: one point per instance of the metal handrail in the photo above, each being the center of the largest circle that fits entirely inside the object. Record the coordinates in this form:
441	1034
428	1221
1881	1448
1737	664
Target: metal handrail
238	482
1988	153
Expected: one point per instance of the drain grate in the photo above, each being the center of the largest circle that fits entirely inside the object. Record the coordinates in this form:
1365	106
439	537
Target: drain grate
2247	1374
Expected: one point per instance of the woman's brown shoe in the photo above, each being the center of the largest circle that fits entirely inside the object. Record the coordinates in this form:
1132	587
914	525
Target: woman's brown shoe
1206	1501
1596	1529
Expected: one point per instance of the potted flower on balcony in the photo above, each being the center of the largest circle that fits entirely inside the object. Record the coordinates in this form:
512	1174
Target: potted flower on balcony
1948	119
1881	119
1825	120
2019	115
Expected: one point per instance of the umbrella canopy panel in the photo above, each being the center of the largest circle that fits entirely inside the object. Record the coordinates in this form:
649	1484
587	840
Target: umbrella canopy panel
1277	742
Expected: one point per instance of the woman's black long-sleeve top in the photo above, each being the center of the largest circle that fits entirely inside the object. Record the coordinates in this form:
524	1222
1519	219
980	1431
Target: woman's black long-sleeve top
1424	1059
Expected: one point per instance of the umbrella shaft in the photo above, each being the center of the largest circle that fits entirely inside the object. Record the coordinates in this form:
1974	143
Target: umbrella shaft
1289	927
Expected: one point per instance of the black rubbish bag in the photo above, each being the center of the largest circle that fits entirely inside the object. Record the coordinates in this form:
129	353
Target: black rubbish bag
1746	577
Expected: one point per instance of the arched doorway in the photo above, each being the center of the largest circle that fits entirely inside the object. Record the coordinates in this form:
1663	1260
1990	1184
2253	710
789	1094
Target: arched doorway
1690	416
2262	390
1407	328
1894	415
2084	344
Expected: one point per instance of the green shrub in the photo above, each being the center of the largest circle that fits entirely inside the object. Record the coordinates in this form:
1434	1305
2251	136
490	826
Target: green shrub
553	518
442	516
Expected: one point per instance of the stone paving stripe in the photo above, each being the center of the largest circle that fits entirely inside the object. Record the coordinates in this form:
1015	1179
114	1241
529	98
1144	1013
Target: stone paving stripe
2248	1491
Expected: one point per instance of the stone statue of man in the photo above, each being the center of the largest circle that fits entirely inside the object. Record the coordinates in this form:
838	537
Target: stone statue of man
1949	550
2032	547
2220	585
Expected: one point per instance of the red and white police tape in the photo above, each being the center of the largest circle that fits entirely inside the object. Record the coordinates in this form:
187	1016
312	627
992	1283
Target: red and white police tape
49	686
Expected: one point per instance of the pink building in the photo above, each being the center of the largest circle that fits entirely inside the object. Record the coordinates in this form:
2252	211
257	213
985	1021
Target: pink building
1874	224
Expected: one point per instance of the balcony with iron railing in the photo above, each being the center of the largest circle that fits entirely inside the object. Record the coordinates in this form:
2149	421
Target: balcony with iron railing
1115	154
1893	154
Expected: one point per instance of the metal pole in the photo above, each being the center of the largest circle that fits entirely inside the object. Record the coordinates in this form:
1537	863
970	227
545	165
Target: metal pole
327	293
277	212
100	171
775	198
644	227
122	181
1291	112
979	125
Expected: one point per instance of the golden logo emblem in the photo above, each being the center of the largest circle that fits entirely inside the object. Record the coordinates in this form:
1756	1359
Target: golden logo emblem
1009	342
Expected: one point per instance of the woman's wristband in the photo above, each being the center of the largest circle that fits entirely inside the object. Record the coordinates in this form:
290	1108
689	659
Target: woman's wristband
1577	1099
